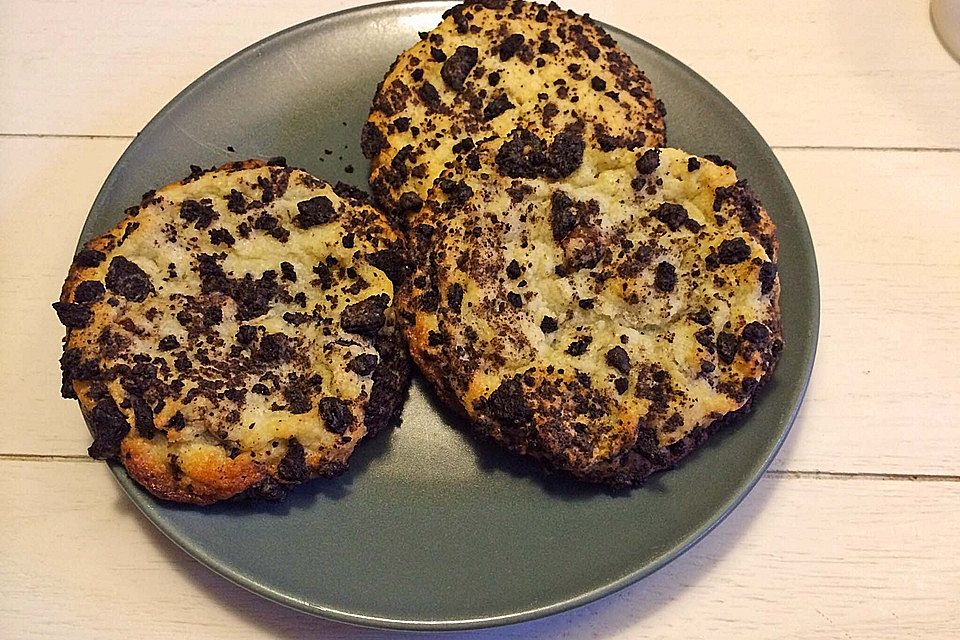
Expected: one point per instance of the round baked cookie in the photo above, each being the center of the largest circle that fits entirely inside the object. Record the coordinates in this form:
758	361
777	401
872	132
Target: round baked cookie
489	68
235	333
604	323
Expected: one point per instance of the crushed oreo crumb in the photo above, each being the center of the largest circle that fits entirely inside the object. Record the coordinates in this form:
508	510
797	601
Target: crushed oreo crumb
457	67
73	315
618	358
509	47
548	324
88	292
508	404
365	317
127	279
648	162
109	427
293	466
756	333
89	258
315	211
733	251
455	296
364	364
665	278
499	105
372	141
727	346
335	414
767	275
579	346
672	215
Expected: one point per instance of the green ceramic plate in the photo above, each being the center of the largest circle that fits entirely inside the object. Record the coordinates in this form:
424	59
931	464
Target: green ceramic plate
429	529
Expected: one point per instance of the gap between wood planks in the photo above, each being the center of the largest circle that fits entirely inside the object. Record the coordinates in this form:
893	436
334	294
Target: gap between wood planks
84	136
785	147
775	473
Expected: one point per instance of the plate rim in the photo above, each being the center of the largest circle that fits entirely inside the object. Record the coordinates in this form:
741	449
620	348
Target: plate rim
148	506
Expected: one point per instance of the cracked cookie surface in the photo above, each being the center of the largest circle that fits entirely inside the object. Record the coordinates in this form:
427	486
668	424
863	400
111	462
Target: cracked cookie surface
488	68
235	334
604	322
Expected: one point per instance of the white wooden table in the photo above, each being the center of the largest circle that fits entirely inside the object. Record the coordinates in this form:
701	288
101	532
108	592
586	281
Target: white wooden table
854	533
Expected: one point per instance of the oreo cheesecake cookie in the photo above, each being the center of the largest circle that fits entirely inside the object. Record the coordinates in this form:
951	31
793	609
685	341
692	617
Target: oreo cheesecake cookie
235	333
487	69
603	321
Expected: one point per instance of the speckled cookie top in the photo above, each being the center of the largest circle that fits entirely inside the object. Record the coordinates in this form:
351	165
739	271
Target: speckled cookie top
236	332
598	321
488	68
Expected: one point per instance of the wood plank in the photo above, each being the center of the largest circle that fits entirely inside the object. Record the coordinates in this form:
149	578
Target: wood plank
885	392
884	395
808	558
124	60
822	73
45	195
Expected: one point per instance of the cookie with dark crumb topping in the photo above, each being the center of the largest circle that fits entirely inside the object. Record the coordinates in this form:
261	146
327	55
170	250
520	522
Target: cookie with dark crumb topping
603	322
489	68
235	333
